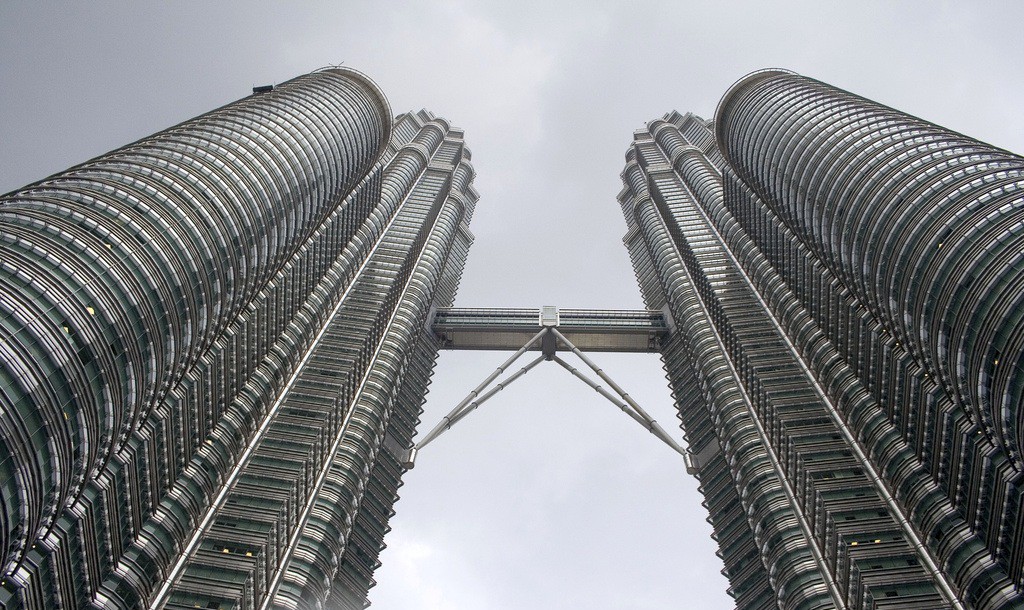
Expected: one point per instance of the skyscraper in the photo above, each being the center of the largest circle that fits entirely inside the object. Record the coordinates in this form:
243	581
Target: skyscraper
846	281
212	351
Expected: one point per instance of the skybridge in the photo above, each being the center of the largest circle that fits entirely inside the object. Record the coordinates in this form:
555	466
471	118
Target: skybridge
550	330
591	330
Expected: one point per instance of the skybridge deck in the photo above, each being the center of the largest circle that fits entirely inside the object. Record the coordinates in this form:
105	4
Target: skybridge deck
591	330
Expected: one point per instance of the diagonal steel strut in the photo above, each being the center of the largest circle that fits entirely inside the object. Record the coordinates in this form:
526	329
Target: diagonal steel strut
468	403
652	426
640	415
548	336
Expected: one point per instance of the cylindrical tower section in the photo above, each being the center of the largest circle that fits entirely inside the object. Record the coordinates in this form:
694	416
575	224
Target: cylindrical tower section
925	225
117	273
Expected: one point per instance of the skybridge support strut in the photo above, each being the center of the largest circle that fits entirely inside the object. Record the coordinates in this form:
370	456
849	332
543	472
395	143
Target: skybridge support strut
550	340
468	403
637	413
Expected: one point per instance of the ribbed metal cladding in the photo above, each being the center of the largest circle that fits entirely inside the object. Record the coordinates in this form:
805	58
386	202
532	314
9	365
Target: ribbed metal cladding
305	511
923	224
389	403
712	405
141	295
811	420
799	519
871	558
900	242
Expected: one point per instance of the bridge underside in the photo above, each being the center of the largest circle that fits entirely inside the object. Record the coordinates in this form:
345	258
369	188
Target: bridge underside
590	330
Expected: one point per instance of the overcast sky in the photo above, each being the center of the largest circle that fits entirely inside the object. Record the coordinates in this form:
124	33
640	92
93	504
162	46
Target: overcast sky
547	497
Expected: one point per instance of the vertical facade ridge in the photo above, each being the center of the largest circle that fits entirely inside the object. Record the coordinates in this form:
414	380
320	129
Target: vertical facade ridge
208	337
120	308
923	234
861	269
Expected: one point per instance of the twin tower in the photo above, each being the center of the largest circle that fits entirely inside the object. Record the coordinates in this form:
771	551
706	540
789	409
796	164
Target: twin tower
215	343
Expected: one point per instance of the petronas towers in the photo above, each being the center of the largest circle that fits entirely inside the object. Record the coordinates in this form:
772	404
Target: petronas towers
215	343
